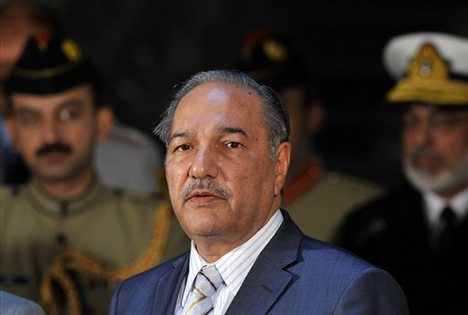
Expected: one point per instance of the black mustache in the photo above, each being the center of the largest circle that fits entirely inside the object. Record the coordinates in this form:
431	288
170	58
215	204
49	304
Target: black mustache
52	148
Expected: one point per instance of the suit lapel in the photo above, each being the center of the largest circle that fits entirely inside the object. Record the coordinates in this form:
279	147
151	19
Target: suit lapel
168	287
268	277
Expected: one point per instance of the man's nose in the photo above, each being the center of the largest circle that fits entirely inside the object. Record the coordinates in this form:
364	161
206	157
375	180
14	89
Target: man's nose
423	133
203	164
50	131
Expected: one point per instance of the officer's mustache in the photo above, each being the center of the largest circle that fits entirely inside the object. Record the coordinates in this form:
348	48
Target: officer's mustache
56	147
422	151
207	185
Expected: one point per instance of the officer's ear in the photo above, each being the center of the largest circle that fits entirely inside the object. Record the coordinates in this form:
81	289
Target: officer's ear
105	122
283	159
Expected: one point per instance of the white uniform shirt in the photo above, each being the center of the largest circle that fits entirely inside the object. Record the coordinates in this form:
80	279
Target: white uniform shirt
434	205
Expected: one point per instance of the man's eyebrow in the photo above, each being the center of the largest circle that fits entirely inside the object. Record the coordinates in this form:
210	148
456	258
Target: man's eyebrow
71	102
178	134
224	130
24	107
20	108
229	130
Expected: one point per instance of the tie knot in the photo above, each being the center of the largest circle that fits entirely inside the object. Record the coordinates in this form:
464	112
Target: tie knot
208	280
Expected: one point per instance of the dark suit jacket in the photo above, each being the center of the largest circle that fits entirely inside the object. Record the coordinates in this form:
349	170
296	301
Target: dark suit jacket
294	274
392	232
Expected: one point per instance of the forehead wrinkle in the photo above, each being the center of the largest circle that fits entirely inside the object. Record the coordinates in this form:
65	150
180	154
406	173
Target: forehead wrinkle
232	130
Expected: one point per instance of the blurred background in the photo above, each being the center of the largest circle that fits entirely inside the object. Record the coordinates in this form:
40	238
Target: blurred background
145	47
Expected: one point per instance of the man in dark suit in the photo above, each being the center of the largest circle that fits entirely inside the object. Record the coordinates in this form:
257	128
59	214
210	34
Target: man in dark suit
419	233
226	163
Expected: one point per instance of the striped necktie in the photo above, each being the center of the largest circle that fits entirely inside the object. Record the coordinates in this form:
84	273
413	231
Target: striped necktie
207	281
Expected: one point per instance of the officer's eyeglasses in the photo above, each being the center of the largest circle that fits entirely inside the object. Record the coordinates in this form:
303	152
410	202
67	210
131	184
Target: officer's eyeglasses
436	121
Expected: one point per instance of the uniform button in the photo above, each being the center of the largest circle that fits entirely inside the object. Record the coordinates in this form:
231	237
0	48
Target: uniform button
61	239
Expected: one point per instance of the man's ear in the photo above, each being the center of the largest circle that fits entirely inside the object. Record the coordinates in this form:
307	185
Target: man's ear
10	126
12	131
105	121
283	157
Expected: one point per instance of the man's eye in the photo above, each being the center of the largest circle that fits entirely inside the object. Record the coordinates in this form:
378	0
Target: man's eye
410	120
445	121
182	147
28	118
68	114
234	145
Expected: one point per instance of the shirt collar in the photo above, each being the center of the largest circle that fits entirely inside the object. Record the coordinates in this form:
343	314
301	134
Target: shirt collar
235	265
435	204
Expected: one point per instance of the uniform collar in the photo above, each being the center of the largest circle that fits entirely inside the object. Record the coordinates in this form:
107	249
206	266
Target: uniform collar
305	179
62	207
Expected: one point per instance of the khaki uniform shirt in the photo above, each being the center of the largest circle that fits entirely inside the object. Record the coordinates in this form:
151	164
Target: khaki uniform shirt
321	207
114	227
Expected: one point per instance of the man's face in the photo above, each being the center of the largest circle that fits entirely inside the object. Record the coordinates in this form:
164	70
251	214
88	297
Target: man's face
435	148
55	133
305	120
222	181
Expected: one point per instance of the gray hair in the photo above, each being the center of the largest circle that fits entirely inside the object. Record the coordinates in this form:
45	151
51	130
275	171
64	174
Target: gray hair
276	115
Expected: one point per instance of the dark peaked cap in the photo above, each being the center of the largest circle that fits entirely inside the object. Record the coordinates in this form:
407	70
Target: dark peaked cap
268	56
50	64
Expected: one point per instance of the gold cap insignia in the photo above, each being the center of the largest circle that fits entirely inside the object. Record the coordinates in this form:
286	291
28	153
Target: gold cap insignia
274	50
428	63
71	50
428	81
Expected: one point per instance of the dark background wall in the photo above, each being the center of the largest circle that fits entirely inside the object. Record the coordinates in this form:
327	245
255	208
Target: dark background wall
145	47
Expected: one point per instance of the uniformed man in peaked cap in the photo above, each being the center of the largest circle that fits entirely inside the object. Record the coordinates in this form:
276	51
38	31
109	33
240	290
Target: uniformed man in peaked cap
65	238
420	232
127	159
317	198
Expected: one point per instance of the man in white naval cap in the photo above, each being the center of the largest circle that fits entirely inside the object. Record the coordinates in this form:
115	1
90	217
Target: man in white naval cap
420	232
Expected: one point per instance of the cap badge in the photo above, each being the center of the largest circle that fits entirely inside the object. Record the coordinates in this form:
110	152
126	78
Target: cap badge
274	50
428	63
71	50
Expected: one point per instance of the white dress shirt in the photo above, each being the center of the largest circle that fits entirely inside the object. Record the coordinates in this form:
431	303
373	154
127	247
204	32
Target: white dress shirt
233	267
434	205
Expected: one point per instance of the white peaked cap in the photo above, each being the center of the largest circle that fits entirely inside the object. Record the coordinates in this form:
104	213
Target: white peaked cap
429	68
400	50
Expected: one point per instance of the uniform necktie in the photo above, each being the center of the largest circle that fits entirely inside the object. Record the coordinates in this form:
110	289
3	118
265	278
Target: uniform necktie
207	281
448	221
